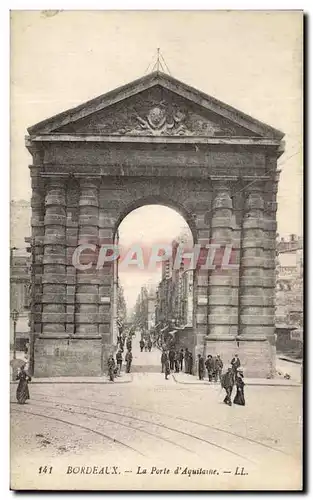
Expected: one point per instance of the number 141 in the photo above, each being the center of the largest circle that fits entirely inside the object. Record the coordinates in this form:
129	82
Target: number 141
45	470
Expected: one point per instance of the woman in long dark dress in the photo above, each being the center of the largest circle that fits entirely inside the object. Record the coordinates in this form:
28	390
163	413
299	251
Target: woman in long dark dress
240	395
22	392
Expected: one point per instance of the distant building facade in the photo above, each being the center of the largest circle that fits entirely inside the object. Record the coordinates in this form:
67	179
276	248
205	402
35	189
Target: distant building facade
289	296
175	293
20	213
20	260
20	296
145	308
289	286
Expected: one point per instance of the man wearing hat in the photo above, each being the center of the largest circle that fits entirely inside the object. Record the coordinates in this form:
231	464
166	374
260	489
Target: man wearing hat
235	362
128	359
200	367
111	367
227	383
218	367
209	364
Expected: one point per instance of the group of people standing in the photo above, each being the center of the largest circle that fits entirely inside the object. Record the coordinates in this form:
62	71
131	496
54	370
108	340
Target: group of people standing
171	360
174	360
145	344
213	365
232	377
115	365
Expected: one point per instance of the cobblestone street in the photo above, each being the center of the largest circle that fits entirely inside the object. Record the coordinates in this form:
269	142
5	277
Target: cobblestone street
146	421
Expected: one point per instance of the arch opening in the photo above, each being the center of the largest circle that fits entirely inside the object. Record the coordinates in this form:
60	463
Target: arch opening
153	285
162	202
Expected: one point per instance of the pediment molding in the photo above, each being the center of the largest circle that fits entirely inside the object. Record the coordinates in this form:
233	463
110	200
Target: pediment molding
159	118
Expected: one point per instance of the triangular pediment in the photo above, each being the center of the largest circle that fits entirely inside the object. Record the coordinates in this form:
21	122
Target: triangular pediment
155	112
156	105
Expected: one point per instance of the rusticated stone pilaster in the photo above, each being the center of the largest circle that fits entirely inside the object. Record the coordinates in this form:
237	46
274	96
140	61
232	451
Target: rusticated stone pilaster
37	238
54	260
221	306
87	283
72	212
252	317
106	276
270	233
200	281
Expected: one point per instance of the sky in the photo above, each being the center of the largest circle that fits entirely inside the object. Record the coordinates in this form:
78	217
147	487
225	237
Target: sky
250	60
147	235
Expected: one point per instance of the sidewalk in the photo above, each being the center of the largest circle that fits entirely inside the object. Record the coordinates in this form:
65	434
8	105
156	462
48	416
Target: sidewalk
184	378
125	378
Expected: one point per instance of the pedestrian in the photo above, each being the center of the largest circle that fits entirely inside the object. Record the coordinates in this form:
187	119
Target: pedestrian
235	363
218	367
119	361
214	373
176	362
167	370
240	395
186	357
190	364
163	359
227	383
149	344
111	367
181	359
200	367
128	359
129	343
141	344
22	391
171	356
209	366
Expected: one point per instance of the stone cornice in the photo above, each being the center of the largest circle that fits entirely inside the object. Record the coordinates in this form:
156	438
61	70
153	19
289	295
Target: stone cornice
243	141
116	173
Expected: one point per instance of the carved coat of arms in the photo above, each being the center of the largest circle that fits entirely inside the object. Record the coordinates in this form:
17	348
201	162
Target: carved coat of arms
159	122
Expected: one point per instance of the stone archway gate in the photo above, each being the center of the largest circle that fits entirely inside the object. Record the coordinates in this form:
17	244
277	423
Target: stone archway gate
153	140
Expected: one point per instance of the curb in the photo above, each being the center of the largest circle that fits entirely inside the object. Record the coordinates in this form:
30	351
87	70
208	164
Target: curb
271	384
290	360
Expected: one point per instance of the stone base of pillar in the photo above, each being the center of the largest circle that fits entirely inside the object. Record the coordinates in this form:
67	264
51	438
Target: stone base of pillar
65	357
257	355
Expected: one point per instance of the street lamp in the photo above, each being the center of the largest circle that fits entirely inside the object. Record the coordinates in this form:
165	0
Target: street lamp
14	316
185	309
